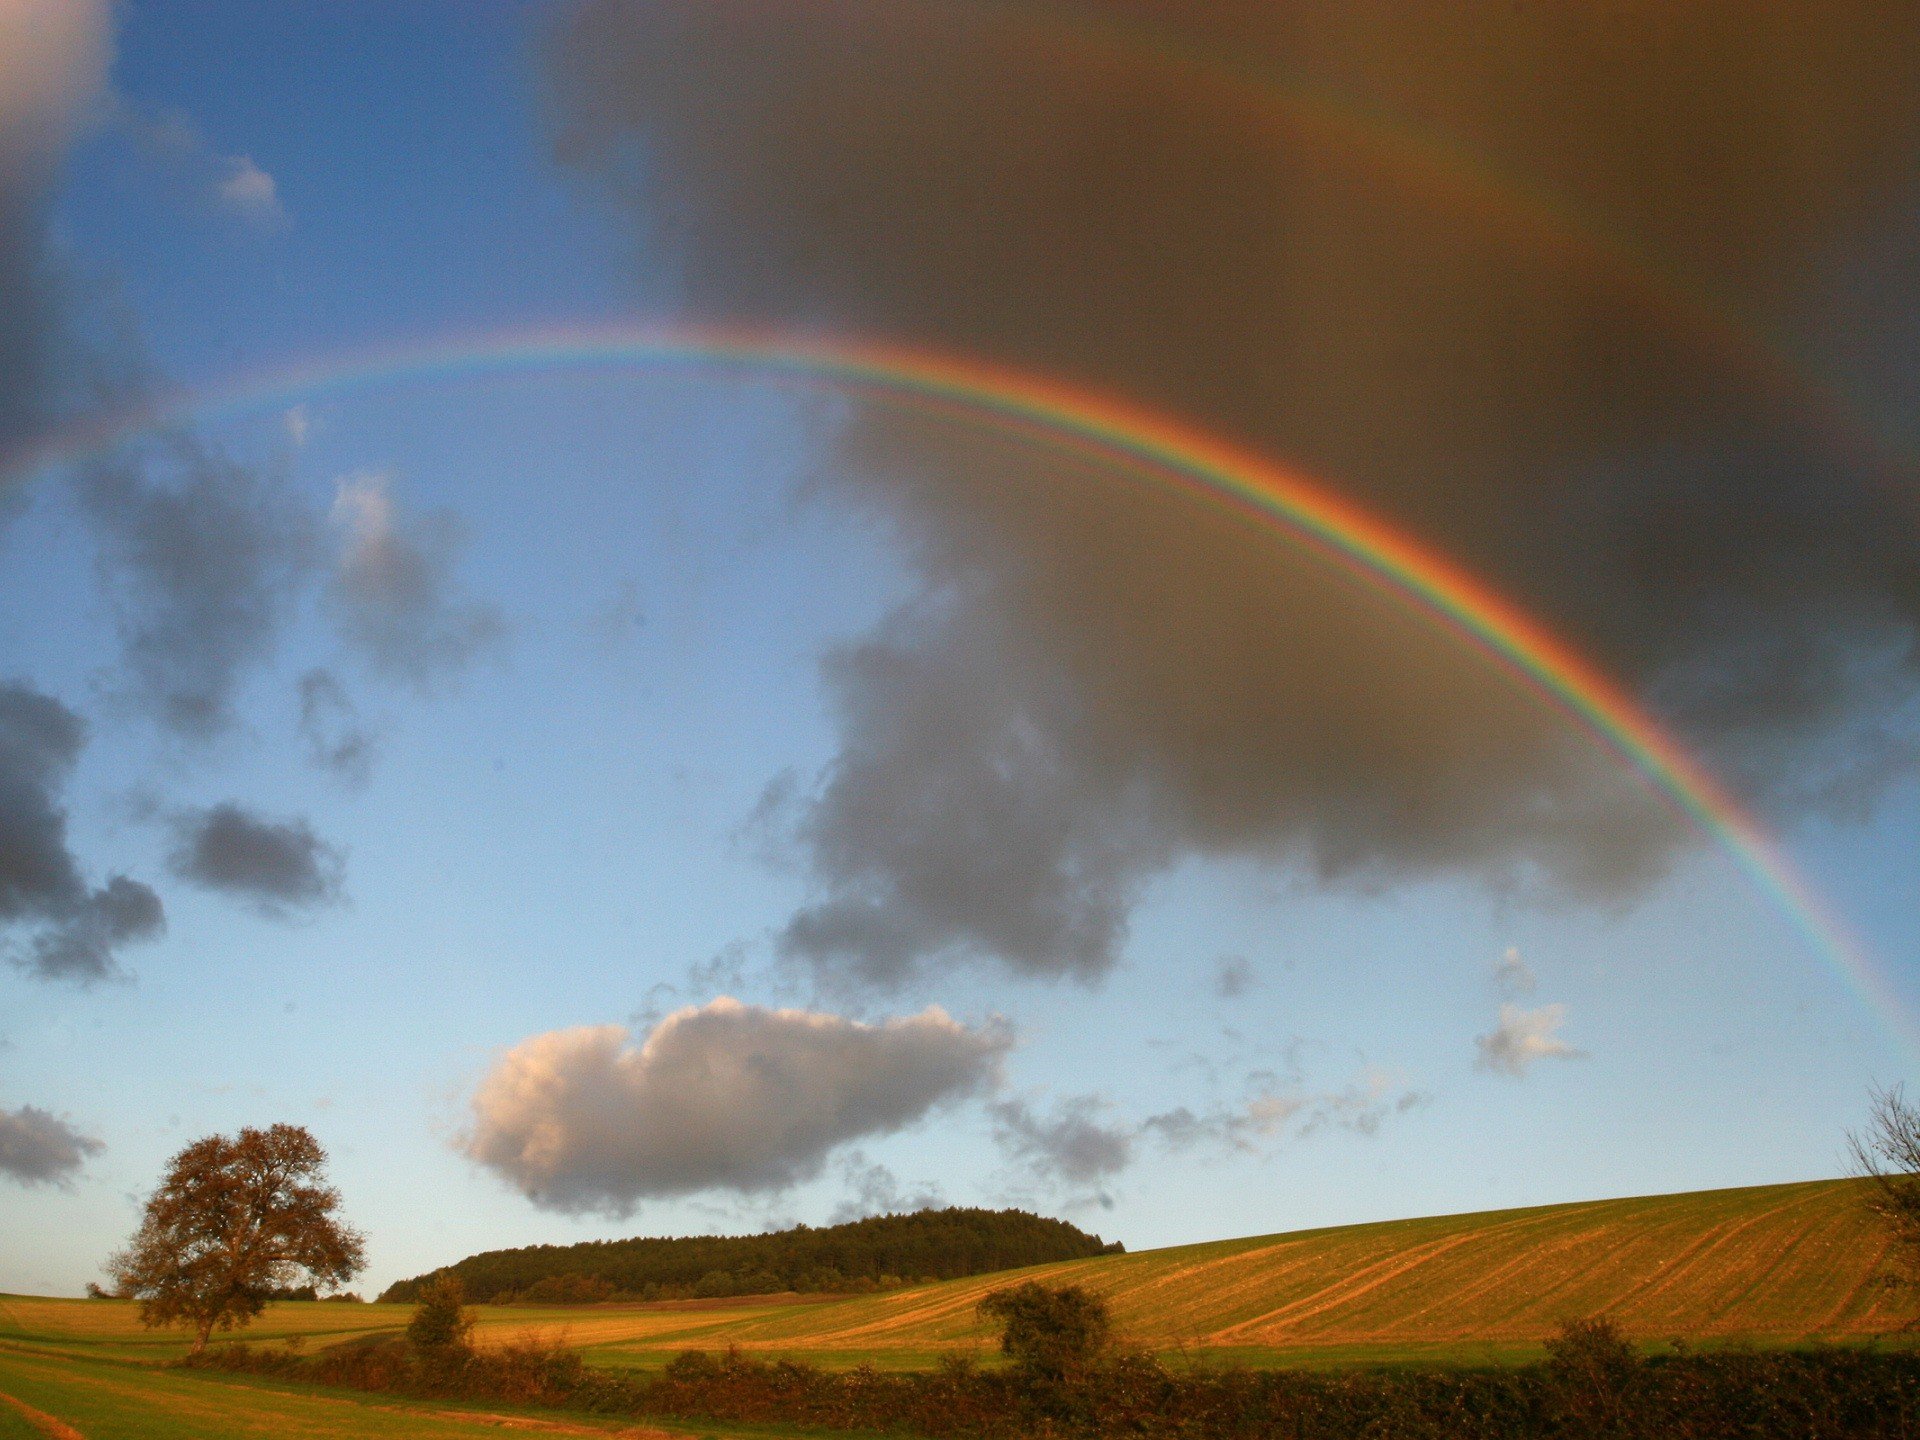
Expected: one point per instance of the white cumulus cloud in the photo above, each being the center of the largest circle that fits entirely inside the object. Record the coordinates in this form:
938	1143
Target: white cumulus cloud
722	1096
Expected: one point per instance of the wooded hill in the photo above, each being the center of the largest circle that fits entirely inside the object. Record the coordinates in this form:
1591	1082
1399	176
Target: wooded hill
883	1252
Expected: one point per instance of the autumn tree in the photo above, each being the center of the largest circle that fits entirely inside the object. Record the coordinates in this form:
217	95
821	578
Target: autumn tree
233	1221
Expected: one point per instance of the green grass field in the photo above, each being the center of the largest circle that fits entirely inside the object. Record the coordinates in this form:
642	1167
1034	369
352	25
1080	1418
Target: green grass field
1773	1265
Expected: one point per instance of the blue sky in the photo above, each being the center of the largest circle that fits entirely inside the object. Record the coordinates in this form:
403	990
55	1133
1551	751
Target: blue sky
631	580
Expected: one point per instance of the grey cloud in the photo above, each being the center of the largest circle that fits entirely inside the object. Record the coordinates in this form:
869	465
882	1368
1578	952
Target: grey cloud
1522	1038
724	1096
394	592
336	739
278	865
1076	1145
204	567
875	1190
73	930
37	1148
53	61
1071	1144
1233	977
1512	976
1101	678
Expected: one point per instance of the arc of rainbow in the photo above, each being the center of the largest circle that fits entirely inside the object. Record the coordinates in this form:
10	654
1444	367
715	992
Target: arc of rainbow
1202	465
1423	159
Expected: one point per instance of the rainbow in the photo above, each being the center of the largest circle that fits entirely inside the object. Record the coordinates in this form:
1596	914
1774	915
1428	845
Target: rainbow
1204	466
1420	159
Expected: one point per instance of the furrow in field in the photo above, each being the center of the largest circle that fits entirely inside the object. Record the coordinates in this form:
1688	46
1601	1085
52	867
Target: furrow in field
51	1426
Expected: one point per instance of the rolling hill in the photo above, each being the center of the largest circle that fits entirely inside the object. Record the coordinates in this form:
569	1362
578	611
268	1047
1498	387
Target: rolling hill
1771	1265
1780	1264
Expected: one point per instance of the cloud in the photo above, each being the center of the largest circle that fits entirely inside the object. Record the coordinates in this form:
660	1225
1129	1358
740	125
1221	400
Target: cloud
1512	976
875	1190
53	64
1105	678
278	865
234	184
37	1148
394	592
1233	977
1523	1037
1070	1145
1074	1145
203	566
330	725
249	191
724	1096
73	930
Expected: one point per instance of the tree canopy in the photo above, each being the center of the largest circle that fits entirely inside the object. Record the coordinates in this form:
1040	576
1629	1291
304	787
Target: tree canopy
883	1249
232	1223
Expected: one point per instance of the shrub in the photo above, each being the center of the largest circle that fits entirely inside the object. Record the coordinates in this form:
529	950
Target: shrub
1592	1367
440	1322
1051	1335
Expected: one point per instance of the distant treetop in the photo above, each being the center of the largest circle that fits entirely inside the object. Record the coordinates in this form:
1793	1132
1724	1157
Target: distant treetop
877	1253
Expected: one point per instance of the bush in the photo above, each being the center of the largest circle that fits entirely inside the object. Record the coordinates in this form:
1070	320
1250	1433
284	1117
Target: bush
1051	1335
440	1322
1592	1367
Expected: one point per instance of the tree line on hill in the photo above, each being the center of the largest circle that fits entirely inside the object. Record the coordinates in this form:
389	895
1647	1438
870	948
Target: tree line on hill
881	1252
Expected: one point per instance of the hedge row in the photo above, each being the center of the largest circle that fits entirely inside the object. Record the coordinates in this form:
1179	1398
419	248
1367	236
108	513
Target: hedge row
1593	1388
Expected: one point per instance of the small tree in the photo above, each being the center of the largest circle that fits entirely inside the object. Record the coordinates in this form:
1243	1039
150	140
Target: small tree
232	1221
440	1324
1887	1152
1052	1335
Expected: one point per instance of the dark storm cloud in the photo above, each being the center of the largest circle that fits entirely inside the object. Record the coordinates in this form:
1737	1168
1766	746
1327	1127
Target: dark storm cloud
279	865
723	1096
395	593
203	558
71	931
37	1148
1159	682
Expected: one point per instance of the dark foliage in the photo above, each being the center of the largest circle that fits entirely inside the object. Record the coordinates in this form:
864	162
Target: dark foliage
1594	1387
1052	1335
874	1253
440	1320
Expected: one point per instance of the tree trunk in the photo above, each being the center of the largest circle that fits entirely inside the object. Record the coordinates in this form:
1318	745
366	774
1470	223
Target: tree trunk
200	1337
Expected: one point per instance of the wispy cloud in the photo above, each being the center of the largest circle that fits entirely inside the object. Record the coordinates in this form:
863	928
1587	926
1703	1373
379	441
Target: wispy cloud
394	591
1522	1038
1512	976
234	184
